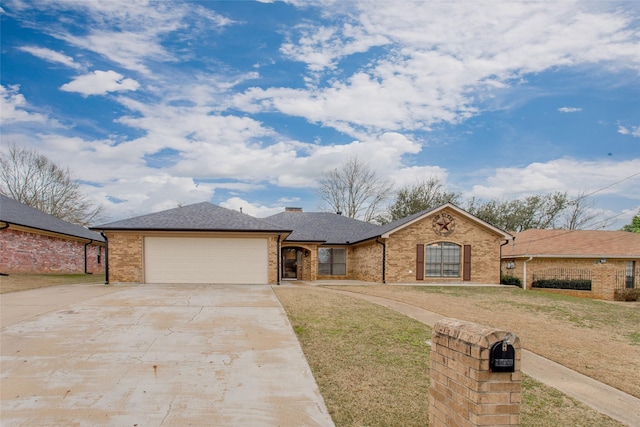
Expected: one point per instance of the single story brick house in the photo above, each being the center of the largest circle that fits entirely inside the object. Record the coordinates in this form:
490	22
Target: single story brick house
205	243
32	241
608	260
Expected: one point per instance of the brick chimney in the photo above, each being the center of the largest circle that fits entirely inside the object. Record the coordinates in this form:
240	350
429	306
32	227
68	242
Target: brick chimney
290	209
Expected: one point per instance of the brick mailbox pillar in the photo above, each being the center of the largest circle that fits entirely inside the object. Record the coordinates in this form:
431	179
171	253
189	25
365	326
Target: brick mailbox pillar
464	390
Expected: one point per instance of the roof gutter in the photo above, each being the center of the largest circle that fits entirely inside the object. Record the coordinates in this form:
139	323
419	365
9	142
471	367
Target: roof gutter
75	236
384	259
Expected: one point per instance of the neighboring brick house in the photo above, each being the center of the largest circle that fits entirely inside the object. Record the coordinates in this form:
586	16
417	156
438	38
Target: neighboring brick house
204	243
32	241
609	260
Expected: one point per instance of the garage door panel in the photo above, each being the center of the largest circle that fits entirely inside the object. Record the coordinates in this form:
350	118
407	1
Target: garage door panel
206	260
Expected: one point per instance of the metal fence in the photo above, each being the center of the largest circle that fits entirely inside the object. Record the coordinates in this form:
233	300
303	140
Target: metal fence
626	281
563	278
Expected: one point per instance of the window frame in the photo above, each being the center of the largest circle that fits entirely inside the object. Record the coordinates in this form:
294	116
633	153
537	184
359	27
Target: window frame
445	263
335	267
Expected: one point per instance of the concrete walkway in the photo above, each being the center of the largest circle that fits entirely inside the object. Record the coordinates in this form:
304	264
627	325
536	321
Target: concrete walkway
153	355
601	397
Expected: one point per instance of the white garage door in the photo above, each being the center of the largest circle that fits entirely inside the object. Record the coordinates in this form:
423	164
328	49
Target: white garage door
206	260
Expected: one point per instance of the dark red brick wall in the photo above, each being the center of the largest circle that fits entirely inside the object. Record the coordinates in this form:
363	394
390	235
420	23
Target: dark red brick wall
24	252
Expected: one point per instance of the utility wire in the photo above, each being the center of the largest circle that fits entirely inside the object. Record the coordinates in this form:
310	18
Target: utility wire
608	186
571	231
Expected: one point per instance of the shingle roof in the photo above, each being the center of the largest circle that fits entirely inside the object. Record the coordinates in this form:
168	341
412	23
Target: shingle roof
574	243
199	217
16	213
400	222
326	227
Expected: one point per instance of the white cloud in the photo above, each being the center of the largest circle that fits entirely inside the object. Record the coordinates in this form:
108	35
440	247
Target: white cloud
130	33
128	49
412	175
439	59
322	47
100	83
253	209
629	130
569	109
564	174
51	56
15	109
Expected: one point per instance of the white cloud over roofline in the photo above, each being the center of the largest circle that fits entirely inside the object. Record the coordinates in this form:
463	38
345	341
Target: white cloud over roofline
565	174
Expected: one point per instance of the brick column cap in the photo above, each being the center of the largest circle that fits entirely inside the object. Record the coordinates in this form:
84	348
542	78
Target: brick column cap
472	333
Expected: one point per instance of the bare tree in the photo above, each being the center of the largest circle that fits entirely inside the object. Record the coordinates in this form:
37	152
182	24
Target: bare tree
354	190
33	179
579	213
425	194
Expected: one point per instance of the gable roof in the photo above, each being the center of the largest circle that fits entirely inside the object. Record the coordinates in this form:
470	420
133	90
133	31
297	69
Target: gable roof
199	217
331	228
17	213
324	227
405	222
574	244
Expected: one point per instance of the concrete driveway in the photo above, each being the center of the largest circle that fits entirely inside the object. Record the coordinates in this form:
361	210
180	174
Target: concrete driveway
152	355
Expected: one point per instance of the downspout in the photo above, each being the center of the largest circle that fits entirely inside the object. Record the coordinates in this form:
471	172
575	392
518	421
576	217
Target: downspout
505	243
524	271
6	225
106	258
278	262
85	256
384	259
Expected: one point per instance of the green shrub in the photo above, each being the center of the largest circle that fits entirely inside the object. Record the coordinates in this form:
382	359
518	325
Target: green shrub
572	284
510	280
627	295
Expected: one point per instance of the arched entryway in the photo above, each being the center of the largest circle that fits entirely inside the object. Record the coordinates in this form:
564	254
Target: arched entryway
292	263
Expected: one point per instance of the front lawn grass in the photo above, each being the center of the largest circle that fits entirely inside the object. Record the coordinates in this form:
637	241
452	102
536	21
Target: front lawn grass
372	365
596	338
21	282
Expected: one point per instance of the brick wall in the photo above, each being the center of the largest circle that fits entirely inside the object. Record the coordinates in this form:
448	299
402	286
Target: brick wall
603	275
365	262
125	257
485	250
463	390
27	252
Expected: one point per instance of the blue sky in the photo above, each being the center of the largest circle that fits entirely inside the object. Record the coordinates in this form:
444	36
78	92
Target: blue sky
246	104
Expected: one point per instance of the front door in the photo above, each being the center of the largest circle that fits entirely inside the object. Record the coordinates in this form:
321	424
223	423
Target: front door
290	263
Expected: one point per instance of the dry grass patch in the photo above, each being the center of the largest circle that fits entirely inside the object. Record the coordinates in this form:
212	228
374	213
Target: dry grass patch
372	365
21	282
598	339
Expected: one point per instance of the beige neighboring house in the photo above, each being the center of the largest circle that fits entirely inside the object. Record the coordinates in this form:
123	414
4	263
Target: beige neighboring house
610	260
205	243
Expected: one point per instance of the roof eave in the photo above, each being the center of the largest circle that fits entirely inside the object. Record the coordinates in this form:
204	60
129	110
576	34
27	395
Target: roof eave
573	256
53	232
219	230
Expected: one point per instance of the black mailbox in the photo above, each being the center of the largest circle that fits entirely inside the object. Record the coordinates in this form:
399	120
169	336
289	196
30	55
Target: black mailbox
502	357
